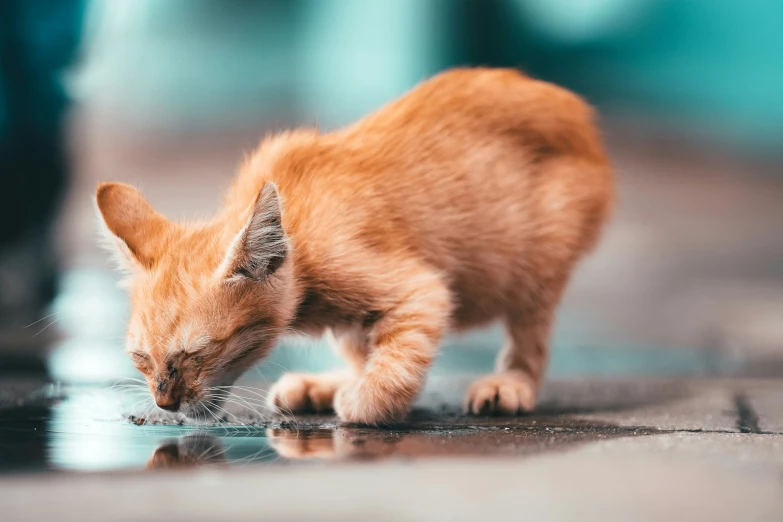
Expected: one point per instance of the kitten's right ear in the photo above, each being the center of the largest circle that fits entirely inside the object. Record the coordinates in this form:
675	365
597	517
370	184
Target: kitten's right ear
261	247
136	232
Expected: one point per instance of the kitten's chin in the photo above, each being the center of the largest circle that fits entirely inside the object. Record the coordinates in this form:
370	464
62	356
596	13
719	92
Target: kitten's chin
196	411
209	407
206	408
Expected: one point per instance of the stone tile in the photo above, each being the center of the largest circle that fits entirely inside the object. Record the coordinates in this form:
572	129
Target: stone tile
703	408
729	451
616	483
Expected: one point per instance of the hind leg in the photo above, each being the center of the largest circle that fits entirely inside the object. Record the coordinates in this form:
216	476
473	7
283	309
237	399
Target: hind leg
522	362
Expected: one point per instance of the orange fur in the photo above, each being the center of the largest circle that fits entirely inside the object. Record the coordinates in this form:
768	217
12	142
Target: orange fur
468	200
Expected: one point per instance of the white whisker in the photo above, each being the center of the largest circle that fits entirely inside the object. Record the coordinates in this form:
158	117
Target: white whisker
41	319
47	326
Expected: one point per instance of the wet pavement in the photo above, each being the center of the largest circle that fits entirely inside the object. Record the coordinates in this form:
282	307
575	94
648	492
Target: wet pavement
623	431
608	448
99	415
115	427
93	413
664	398
90	429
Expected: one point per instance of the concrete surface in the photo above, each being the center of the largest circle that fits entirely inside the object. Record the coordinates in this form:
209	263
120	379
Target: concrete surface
643	485
665	399
598	449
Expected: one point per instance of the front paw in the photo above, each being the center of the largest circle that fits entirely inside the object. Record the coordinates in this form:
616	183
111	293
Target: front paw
363	402
303	392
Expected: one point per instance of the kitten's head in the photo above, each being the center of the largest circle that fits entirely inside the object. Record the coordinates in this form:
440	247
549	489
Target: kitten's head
208	300
188	452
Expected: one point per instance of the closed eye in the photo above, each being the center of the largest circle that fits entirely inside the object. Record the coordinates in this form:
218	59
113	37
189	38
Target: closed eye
196	356
139	357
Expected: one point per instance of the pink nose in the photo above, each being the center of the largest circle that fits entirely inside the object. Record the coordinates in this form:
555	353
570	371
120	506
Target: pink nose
168	404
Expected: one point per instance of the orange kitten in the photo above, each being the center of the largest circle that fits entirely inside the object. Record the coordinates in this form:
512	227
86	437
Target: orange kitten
468	200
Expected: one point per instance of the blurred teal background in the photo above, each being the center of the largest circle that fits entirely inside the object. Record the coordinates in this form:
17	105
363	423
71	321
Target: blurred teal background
713	69
169	95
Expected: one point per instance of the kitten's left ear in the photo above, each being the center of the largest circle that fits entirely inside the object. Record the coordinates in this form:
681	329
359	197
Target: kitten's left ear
137	234
261	247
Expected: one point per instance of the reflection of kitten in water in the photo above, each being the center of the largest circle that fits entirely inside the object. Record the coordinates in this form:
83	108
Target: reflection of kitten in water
200	450
313	444
187	452
342	444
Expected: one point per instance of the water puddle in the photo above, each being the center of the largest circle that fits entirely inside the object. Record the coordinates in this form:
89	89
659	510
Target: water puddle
90	429
87	428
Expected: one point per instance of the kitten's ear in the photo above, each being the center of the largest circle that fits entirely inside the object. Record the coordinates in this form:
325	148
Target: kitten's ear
136	232
261	247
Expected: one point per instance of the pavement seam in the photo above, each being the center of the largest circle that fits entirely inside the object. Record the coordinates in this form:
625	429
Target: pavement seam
747	418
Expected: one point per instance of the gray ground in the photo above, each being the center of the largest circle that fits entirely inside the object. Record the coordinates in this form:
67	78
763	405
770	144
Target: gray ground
664	401
598	449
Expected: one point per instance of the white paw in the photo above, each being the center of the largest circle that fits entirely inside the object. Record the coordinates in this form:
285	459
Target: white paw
504	394
305	392
362	402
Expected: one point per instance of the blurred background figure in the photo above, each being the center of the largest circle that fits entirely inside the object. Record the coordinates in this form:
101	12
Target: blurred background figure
170	95
38	39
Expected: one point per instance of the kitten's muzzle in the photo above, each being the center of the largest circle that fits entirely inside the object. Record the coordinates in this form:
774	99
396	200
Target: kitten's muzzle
168	392
167	403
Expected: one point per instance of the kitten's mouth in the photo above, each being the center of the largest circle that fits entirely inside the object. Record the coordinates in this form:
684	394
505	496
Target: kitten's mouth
195	410
202	409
